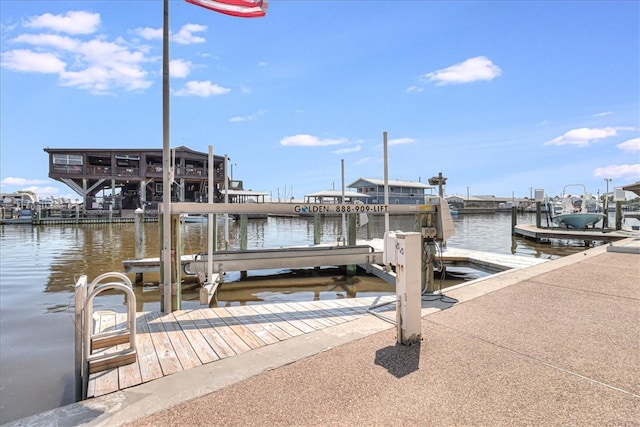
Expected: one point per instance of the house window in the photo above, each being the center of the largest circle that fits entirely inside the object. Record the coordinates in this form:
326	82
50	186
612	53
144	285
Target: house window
67	159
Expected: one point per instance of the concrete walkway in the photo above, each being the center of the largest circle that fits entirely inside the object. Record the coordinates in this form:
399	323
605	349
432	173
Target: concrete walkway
553	344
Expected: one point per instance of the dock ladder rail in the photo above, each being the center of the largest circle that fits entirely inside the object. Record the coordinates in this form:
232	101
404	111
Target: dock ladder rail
89	338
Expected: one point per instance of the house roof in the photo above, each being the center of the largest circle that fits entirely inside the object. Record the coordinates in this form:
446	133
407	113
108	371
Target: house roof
336	193
635	188
180	149
395	183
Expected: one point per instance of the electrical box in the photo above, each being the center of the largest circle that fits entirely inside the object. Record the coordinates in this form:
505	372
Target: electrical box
438	216
389	254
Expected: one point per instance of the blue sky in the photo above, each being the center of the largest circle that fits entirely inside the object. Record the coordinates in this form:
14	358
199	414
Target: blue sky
501	96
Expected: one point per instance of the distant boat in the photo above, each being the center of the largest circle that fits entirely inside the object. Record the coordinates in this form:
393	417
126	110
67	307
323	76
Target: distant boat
574	212
189	218
203	218
25	217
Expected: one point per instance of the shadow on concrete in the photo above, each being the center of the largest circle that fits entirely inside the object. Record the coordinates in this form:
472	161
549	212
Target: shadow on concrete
399	360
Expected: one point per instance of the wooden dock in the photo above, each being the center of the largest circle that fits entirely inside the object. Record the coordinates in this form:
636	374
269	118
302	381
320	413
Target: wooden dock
170	343
532	232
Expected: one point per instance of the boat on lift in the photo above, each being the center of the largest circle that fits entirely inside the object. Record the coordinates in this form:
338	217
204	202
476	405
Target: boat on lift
574	212
193	218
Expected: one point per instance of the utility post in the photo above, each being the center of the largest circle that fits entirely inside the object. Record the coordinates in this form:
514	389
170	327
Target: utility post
605	205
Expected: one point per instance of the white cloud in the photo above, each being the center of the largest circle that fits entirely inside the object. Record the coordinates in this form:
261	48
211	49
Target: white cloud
73	22
632	145
399	141
185	35
414	89
471	70
603	114
630	172
149	33
28	61
249	118
95	64
584	136
49	40
202	89
309	141
365	160
180	68
262	64
19	182
348	150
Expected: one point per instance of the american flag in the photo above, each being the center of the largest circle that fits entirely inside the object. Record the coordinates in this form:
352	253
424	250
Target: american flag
241	8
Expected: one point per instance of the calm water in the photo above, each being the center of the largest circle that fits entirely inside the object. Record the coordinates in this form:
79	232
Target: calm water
39	266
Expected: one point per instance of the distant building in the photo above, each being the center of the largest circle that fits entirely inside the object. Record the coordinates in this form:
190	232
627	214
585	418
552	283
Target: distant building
488	203
400	192
334	196
126	178
18	199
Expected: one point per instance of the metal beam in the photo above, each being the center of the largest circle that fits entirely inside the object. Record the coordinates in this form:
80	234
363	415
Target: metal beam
298	208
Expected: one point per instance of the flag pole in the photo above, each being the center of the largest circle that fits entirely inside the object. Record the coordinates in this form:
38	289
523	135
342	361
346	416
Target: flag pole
166	159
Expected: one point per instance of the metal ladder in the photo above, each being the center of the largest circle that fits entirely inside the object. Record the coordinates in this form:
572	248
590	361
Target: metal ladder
95	350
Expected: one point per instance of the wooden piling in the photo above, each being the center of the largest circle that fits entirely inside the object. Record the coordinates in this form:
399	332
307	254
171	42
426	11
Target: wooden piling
139	239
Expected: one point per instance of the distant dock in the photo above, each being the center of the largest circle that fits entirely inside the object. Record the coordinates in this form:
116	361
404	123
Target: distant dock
541	234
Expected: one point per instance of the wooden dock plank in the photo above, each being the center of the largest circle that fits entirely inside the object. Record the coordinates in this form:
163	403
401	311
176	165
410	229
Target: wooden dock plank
169	362
248	319
333	312
150	368
128	375
105	382
193	335
213	337
181	345
252	317
281	323
310	314
286	314
228	334
358	307
347	311
241	330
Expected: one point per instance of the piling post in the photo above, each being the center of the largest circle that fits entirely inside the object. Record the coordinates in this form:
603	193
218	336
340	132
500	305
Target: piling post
243	232
351	241
243	240
139	239
176	263
514	219
370	226
538	214
618	215
317	227
161	219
